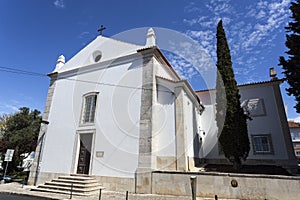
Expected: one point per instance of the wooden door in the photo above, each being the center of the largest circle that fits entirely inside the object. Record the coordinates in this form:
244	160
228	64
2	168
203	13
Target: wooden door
84	156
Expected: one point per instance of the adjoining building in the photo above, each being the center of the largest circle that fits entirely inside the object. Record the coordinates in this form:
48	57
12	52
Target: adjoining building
119	111
267	130
295	134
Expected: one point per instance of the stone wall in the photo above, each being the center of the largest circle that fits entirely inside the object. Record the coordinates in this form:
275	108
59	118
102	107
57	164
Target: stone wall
117	183
220	184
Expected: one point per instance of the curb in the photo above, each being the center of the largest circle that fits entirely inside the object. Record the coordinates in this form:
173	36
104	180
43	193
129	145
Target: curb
28	195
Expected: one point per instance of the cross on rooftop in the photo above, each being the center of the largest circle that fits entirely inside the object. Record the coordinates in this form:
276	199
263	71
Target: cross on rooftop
101	29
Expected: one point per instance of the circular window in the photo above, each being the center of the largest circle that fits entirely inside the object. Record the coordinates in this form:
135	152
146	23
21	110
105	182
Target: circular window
97	56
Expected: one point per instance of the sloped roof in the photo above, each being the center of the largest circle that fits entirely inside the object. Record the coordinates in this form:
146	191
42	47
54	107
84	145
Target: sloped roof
162	56
261	82
249	84
104	47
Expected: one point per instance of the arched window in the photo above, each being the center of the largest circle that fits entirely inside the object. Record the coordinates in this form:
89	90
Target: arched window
89	108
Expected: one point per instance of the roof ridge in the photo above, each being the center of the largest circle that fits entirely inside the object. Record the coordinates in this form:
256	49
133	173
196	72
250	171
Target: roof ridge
121	41
247	84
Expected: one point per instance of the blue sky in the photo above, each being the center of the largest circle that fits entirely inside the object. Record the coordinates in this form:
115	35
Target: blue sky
34	33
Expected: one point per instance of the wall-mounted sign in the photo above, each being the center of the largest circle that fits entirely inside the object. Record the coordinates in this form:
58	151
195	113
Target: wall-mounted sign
99	154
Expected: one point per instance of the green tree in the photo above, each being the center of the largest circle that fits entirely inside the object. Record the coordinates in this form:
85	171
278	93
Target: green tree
291	66
230	117
20	132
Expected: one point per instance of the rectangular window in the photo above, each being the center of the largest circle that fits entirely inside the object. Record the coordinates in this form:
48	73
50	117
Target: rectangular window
255	107
89	109
262	144
295	135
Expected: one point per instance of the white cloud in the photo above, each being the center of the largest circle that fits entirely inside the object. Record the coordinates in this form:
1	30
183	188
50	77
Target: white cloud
190	22
220	6
249	30
271	16
84	34
261	14
191	7
10	106
181	66
6	108
297	119
59	3
274	7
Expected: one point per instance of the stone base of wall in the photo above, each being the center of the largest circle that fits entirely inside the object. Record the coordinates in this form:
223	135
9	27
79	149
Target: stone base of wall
44	177
290	165
210	184
117	184
166	162
110	183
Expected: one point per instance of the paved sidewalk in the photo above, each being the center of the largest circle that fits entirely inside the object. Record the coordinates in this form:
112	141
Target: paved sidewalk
16	188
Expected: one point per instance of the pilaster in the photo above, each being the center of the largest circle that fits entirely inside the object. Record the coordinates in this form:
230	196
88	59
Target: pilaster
181	154
146	162
33	176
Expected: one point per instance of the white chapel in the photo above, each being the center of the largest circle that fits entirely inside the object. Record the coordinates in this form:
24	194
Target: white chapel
119	111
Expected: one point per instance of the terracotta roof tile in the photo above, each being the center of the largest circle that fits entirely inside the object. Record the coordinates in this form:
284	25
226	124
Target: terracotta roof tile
261	82
293	124
249	84
297	148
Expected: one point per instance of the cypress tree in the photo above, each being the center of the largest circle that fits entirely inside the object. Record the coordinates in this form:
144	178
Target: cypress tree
230	117
291	66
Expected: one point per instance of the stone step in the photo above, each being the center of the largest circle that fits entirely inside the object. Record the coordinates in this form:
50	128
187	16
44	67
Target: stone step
61	191
78	178
67	184
75	189
66	180
81	175
81	185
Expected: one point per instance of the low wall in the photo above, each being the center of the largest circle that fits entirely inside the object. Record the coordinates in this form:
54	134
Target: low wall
117	183
210	184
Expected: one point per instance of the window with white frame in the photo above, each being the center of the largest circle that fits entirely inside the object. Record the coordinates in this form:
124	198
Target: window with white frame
262	144
89	108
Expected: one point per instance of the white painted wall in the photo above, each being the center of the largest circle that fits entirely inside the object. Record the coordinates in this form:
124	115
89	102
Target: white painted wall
208	125
165	124
116	122
109	48
268	124
189	124
59	140
163	71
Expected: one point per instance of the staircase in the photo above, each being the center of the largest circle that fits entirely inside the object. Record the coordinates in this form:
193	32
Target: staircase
81	185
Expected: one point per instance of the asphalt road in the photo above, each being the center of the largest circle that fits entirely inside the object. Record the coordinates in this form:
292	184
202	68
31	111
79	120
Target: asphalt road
19	197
